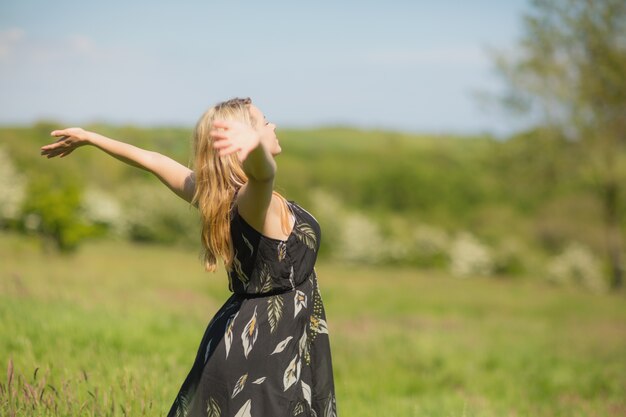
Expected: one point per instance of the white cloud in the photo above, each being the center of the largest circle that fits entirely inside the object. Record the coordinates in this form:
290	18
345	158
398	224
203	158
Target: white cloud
83	45
71	76
8	40
18	49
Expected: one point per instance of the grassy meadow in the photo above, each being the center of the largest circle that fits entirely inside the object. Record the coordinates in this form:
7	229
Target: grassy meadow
435	270
112	330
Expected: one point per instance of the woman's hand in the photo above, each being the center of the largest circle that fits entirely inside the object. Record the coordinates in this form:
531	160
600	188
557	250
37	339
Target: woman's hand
69	139
230	136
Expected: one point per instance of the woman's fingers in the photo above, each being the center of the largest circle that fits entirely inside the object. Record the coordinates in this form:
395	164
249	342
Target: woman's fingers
55	147
64	133
61	146
222	124
232	136
47	151
63	143
56	144
68	140
51	154
228	150
72	131
222	143
218	134
226	146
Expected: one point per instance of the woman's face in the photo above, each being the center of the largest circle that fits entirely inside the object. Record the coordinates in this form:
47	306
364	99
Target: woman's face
267	130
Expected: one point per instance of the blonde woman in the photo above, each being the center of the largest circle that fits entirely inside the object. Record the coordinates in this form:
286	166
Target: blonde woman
266	352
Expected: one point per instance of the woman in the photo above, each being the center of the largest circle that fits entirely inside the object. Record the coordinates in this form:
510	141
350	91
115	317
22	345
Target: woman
266	351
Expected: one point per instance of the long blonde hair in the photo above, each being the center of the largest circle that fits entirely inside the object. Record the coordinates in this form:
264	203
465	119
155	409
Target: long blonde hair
218	178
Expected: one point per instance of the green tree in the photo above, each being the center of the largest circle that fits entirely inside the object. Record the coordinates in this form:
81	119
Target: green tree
570	68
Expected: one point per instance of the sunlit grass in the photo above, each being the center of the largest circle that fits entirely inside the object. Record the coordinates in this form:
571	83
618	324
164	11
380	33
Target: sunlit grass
113	330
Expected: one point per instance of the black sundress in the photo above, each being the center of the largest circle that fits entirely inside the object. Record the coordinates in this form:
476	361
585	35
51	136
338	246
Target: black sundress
266	352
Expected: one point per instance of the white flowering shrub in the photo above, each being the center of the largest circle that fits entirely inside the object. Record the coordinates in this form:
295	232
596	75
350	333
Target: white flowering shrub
99	207
576	265
361	240
469	257
351	236
12	189
395	251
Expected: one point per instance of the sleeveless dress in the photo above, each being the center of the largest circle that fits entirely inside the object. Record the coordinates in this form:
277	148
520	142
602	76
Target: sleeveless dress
266	352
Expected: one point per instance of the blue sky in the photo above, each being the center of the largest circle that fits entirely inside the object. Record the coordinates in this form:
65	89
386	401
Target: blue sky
401	65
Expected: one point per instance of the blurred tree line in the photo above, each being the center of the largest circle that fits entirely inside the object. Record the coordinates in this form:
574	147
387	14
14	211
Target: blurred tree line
571	69
475	205
548	201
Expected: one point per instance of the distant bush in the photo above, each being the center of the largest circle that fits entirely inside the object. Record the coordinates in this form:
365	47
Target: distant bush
576	265
152	213
510	257
567	218
430	246
469	257
400	204
102	209
361	240
52	209
350	235
12	191
354	236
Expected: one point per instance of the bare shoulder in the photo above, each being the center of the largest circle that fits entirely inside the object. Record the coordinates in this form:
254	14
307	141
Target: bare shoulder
260	208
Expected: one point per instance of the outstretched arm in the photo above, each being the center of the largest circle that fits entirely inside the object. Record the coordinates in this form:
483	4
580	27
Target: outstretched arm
177	177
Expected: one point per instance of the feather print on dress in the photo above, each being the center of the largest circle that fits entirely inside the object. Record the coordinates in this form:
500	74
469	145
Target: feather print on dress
228	336
249	334
274	311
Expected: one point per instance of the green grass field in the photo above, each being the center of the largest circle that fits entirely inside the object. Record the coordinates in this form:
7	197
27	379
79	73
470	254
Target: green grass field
113	330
